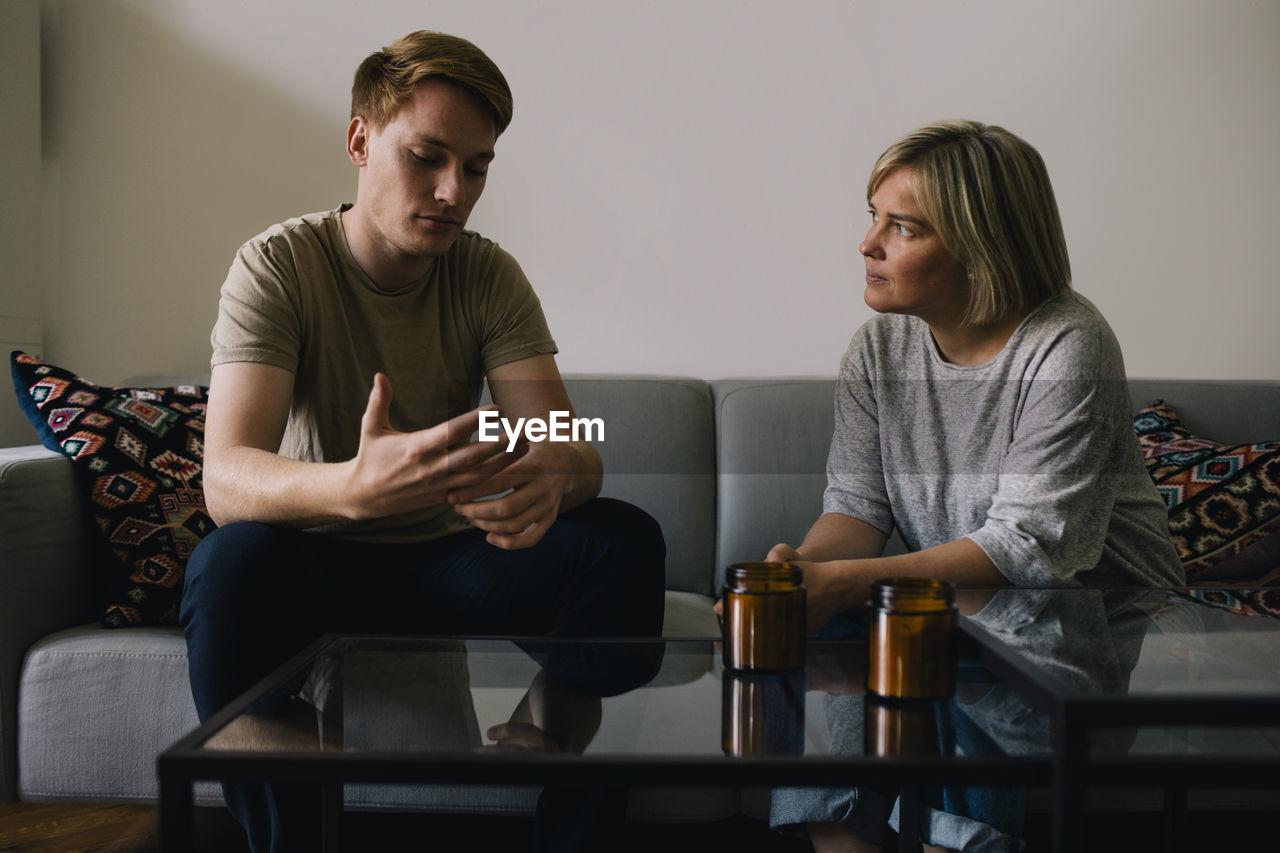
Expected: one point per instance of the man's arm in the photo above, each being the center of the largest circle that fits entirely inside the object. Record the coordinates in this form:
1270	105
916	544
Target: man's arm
246	479
547	478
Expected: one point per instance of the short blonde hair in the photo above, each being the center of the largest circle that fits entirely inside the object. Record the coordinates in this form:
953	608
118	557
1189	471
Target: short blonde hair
385	80
987	193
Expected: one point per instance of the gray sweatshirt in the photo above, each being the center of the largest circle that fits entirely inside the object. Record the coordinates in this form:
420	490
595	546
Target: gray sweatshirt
1031	455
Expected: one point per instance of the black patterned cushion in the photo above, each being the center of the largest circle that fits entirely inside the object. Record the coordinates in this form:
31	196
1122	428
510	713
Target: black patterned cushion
1224	501
139	453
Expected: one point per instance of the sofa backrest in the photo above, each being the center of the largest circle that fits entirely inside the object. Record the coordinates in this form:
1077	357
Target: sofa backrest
1234	411
659	454
746	458
771	462
774	435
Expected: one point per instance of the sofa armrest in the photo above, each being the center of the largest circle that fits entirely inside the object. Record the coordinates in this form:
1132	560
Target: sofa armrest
46	563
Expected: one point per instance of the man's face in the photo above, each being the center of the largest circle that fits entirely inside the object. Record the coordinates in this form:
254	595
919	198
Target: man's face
422	172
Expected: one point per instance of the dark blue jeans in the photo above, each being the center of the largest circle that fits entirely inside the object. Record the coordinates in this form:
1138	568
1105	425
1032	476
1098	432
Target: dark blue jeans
256	594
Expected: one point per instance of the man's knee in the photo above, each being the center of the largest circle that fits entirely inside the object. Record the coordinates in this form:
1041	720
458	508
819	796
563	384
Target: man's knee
233	559
627	567
627	526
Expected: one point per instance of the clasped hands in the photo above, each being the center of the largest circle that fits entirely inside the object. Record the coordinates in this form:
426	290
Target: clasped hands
396	472
818	608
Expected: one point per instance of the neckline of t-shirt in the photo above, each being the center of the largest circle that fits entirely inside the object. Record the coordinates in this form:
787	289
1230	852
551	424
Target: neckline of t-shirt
936	355
340	239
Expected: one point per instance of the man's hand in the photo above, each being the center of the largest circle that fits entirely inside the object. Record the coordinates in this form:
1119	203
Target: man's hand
550	717
535	483
542	478
396	472
521	737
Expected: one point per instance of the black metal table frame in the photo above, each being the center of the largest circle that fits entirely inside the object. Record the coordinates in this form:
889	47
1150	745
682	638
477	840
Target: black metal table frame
1076	715
1067	773
180	766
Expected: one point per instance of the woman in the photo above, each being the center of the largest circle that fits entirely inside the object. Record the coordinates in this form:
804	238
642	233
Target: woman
984	414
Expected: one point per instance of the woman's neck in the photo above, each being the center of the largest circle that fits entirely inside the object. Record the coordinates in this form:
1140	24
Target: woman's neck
967	345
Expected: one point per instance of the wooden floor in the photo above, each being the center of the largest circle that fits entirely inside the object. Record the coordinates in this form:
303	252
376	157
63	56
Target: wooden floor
104	828
67	828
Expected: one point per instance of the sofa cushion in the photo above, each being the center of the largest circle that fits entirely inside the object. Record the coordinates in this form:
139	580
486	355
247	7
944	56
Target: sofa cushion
95	708
139	453
1223	500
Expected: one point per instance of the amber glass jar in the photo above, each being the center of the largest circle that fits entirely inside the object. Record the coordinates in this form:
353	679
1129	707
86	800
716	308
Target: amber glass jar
911	642
908	728
762	713
763	619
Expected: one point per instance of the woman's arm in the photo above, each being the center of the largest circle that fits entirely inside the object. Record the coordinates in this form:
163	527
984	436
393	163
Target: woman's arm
837	585
834	536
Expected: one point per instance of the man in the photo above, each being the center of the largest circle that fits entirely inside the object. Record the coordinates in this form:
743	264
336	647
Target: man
348	358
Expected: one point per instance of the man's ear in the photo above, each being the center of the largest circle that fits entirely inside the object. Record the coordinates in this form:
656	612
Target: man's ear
358	141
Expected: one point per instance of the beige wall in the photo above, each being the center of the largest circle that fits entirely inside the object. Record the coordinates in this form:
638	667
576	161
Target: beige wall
683	180
20	294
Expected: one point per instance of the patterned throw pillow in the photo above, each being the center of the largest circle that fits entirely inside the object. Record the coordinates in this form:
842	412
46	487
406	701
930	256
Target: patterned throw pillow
1224	501
1264	601
139	453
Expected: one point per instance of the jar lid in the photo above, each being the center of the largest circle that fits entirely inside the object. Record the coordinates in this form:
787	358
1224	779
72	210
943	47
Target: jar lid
764	577
913	594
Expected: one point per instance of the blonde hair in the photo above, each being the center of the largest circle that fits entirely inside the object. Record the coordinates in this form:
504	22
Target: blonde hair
987	193
385	80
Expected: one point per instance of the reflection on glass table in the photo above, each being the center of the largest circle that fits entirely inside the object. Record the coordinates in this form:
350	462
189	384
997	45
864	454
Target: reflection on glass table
1055	688
1145	688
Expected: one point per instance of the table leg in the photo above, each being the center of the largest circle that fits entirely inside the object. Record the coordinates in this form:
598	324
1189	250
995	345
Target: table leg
177	815
1069	794
1175	816
910	801
331	816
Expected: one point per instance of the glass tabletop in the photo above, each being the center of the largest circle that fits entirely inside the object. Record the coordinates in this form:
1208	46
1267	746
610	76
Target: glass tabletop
1154	673
1139	645
1161	675
649	712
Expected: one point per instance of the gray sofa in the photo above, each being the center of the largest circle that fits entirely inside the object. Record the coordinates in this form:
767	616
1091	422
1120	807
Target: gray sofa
727	467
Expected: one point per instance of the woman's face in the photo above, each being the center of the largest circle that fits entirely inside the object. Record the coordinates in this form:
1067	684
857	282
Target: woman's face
909	271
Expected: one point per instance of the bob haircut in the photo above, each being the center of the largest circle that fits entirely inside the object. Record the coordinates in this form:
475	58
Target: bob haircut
987	193
385	80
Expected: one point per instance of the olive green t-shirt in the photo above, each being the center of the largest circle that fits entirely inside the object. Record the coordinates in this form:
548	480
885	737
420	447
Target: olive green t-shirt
296	299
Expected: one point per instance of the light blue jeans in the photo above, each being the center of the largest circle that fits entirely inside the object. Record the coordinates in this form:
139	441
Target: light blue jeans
984	820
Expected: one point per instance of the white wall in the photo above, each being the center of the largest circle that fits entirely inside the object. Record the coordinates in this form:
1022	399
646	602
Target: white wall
20	296
683	181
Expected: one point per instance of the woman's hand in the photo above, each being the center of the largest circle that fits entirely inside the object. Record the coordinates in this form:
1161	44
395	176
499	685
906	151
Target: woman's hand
783	553
824	595
780	553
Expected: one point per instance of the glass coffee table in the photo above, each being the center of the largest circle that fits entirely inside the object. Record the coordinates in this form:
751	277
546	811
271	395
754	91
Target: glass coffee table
1172	690
1056	689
